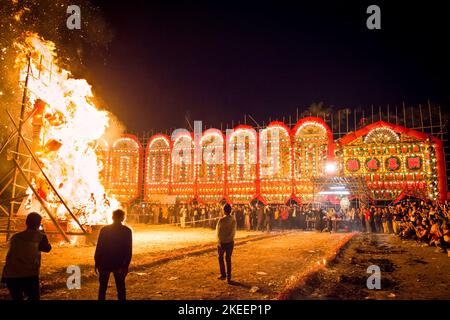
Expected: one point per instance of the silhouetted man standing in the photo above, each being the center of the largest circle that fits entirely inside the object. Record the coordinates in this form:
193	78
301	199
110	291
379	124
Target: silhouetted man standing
226	230
113	255
23	261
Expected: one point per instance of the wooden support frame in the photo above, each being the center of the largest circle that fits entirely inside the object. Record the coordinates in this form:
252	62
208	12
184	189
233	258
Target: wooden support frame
55	222
43	173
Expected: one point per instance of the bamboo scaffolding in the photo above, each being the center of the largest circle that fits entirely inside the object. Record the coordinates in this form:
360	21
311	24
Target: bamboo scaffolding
45	176
44	206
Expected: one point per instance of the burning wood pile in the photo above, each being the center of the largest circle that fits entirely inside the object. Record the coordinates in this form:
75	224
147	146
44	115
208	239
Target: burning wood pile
66	127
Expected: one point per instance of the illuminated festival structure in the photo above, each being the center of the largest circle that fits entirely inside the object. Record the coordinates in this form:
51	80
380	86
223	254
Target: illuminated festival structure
278	164
63	166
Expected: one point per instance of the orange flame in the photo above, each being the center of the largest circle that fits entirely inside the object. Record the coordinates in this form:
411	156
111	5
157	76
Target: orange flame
70	126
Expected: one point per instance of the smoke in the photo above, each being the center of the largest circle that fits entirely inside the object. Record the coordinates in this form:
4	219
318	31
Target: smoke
48	19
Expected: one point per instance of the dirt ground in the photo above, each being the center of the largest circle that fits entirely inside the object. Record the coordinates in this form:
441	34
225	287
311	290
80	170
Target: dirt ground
263	266
408	271
150	243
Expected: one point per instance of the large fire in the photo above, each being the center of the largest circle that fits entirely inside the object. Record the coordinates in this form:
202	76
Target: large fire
66	127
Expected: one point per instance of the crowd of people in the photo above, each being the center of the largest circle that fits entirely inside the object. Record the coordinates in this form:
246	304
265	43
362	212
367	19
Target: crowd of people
419	220
422	221
257	216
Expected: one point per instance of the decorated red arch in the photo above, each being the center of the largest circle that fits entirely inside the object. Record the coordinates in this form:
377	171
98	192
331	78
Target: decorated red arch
183	173
395	160
125	172
211	168
157	166
275	162
313	147
242	164
103	160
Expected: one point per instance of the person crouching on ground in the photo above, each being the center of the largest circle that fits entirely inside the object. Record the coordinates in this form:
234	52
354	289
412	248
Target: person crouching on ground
225	230
23	260
113	255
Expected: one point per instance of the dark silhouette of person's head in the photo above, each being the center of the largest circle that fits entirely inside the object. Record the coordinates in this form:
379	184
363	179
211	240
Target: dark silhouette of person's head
33	221
227	209
118	216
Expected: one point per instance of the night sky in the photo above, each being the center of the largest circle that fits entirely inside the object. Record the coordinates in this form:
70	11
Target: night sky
217	61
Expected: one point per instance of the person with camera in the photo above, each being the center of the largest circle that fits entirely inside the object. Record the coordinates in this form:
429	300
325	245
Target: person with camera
23	260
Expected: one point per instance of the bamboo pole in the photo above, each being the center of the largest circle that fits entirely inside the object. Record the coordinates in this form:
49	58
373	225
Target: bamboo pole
55	222
51	232
372	112
404	114
6	185
4	211
46	177
421	117
396	115
431	118
346	117
16	155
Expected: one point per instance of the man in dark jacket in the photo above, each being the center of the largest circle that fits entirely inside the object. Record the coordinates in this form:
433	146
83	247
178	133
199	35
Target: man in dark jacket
23	261
113	255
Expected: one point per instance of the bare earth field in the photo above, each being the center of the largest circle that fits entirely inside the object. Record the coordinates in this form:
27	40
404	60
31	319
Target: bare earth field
173	263
150	244
409	270
170	263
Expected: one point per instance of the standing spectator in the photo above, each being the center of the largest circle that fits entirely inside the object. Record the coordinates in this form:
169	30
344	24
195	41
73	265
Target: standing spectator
113	255
284	217
292	216
195	215
362	218
23	260
378	220
183	216
172	214
254	218
268	218
225	230
386	220
368	220
248	224
156	214
260	217
320	219
165	213
211	217
151	213
276	217
396	220
302	218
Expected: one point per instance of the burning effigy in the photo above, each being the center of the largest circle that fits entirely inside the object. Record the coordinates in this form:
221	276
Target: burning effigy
67	128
